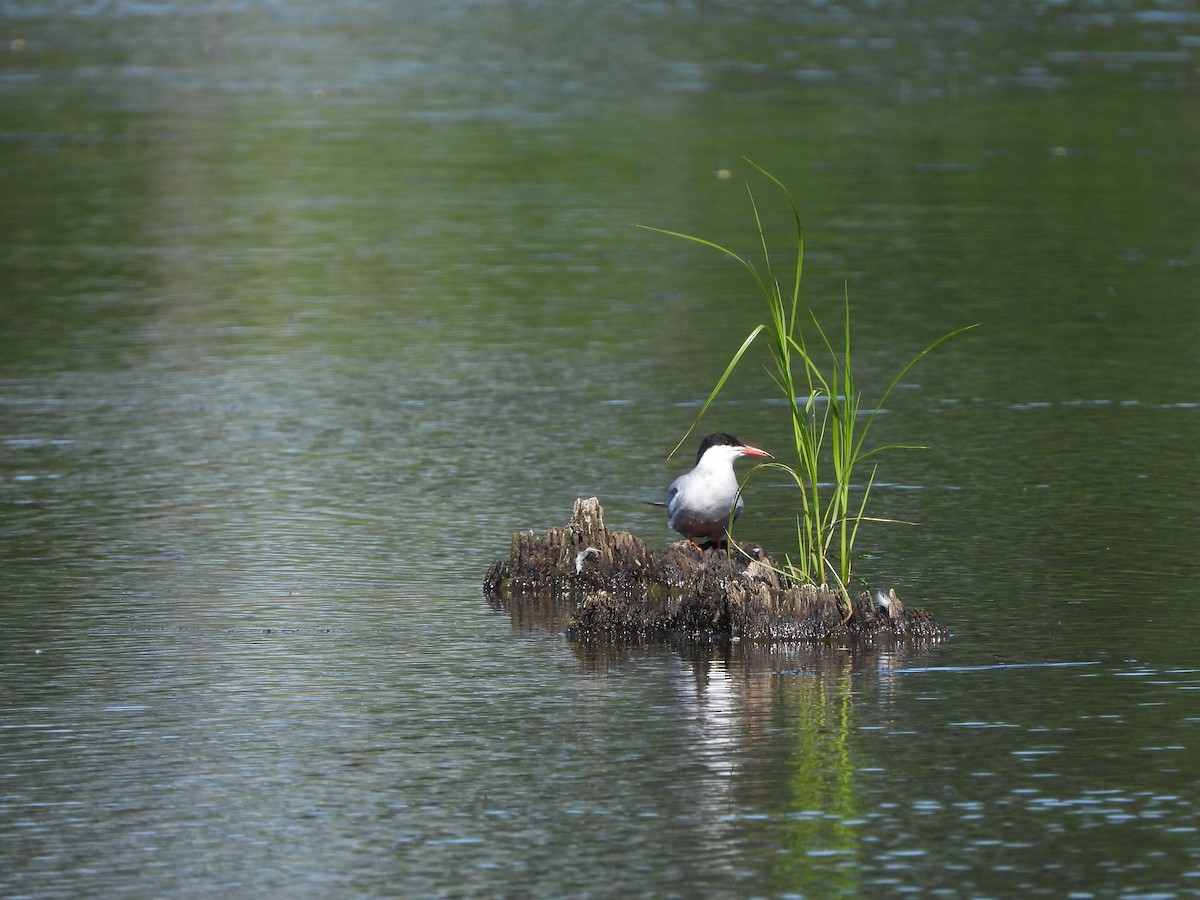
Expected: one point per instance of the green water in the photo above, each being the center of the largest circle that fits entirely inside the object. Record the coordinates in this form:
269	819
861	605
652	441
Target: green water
307	308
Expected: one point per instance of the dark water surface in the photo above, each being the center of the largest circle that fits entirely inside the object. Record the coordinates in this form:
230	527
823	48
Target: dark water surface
307	307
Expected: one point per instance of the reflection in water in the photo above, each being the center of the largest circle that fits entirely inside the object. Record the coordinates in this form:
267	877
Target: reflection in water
774	726
773	729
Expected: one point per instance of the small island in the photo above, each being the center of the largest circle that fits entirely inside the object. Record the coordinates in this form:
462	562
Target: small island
621	589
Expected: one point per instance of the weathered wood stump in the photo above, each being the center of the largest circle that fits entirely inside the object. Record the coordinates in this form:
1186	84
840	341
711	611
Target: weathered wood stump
620	588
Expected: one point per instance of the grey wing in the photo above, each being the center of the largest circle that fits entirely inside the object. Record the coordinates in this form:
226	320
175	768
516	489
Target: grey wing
672	493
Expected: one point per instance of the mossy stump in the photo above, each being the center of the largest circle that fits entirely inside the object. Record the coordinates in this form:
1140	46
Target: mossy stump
620	588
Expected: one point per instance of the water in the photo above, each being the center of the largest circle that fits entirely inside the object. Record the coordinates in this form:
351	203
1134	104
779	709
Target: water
307	309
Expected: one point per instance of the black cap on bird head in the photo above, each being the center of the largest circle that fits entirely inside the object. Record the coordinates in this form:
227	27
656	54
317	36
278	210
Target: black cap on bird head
716	439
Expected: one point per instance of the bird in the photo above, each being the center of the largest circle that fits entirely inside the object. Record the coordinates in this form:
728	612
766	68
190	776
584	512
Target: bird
699	502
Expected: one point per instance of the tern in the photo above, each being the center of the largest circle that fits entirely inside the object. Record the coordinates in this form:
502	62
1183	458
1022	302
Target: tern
699	502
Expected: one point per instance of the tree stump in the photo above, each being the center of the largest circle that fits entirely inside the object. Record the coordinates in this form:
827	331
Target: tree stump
619	588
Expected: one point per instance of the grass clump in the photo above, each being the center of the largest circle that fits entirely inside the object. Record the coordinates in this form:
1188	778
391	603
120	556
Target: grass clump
828	424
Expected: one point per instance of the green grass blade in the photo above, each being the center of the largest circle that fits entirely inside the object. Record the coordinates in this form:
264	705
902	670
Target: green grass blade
799	242
745	263
900	375
758	329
